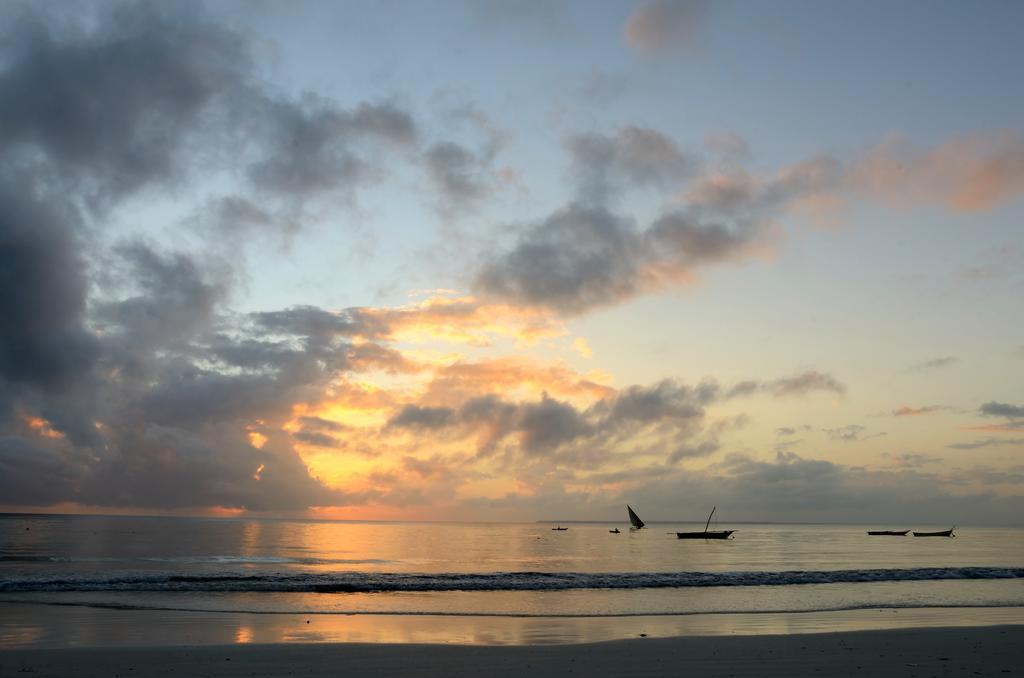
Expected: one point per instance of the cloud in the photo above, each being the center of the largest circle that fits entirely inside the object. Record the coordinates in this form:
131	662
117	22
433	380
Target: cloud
312	146
994	409
908	411
156	76
799	384
413	416
727	144
787	487
969	174
663	25
581	347
986	442
934	363
911	460
850	433
634	156
42	338
581	258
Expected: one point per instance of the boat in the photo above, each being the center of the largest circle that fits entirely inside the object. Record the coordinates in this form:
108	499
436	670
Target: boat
888	533
943	533
615	531
559	529
706	534
634	520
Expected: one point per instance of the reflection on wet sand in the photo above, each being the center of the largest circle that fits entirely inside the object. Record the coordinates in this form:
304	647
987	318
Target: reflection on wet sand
59	626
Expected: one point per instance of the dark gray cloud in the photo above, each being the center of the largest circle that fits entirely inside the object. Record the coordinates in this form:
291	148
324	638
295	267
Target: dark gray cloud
668	415
986	442
312	146
413	416
458	173
145	387
581	258
586	256
577	259
43	288
736	193
799	384
994	409
111	110
176	296
315	438
317	324
463	172
634	156
804	383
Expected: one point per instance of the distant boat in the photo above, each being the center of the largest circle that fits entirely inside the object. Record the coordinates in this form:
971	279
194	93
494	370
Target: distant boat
615	531
634	520
713	534
943	533
560	528
888	533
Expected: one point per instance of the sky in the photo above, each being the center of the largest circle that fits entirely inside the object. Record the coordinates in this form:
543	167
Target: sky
513	260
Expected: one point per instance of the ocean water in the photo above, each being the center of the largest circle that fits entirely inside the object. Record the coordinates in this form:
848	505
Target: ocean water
234	568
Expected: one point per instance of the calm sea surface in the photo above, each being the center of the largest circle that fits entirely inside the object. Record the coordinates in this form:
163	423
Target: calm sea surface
261	567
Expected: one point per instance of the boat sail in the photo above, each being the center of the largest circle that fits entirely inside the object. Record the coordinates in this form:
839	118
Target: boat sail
634	519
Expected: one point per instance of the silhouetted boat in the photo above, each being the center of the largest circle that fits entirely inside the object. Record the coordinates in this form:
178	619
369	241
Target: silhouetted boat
888	533
615	531
559	529
943	533
706	534
634	520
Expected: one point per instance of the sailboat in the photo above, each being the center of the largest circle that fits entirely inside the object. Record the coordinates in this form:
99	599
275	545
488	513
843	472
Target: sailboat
634	520
712	534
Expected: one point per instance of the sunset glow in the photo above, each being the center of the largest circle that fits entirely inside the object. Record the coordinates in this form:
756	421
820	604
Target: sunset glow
274	262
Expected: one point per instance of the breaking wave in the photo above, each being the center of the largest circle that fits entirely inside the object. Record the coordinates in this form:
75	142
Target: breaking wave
382	582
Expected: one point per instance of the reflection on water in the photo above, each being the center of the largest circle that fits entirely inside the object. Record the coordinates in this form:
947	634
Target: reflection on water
44	626
124	542
63	548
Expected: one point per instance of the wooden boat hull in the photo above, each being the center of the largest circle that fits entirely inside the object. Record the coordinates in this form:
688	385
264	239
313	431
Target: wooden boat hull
944	533
712	534
888	533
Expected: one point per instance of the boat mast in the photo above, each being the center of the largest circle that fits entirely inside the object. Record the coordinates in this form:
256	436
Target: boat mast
709	518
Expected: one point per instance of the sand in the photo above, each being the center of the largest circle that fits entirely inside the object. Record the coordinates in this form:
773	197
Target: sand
983	651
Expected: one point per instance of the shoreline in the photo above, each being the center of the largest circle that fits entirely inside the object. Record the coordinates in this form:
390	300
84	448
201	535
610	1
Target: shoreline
992	651
31	626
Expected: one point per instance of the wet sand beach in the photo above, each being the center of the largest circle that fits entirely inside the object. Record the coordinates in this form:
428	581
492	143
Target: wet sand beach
984	651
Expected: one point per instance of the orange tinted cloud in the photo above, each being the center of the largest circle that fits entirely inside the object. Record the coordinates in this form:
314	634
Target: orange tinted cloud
969	174
457	382
466	320
42	428
907	411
